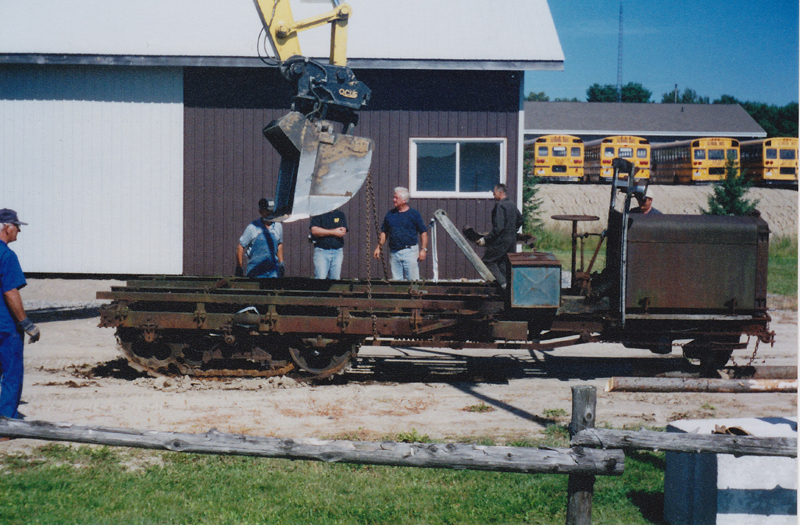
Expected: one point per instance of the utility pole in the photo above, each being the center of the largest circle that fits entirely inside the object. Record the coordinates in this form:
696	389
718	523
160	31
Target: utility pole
619	58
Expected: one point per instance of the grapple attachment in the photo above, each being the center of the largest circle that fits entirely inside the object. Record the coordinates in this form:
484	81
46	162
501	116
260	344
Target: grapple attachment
320	170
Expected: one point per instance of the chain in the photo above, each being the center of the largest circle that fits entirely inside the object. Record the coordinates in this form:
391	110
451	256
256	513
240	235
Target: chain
368	251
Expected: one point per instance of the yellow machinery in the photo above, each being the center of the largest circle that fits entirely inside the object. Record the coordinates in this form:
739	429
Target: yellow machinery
321	167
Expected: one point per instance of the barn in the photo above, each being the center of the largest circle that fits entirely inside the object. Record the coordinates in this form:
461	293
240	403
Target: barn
132	137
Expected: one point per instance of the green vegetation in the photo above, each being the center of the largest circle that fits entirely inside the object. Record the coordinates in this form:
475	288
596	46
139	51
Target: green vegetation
729	195
56	484
782	272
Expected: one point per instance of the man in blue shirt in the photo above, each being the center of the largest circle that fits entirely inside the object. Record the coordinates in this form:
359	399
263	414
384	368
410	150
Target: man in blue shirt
262	242
327	234
401	226
13	320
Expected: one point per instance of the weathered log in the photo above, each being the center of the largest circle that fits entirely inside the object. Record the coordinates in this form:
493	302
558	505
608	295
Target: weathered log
580	487
685	384
447	455
678	442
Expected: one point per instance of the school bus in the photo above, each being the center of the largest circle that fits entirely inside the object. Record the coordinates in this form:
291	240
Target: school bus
601	152
693	161
770	161
556	158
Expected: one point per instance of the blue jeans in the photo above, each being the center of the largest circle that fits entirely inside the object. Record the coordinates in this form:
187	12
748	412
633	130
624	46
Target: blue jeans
404	264
328	263
11	369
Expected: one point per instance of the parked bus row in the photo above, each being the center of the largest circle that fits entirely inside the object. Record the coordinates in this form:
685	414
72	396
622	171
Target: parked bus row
566	158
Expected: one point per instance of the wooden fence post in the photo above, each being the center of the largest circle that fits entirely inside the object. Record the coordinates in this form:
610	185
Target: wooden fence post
580	489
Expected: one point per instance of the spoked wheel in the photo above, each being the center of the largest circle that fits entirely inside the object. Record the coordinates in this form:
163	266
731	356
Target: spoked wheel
322	357
153	357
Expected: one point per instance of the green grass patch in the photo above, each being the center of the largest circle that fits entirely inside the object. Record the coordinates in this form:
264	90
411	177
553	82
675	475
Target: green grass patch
58	484
782	272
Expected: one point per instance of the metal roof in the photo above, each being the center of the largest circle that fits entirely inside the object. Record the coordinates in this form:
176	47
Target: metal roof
468	34
620	118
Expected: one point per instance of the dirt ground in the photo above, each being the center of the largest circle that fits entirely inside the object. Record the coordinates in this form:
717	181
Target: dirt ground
75	375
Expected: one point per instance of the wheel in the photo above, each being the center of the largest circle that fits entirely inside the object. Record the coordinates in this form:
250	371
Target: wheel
323	357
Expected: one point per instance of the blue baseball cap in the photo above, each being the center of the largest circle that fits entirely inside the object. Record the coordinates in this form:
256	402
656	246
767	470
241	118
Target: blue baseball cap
10	217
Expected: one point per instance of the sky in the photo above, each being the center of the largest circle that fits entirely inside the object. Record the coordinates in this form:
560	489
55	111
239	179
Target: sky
735	47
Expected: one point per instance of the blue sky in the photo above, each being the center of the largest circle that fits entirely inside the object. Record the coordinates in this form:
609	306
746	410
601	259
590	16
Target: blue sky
742	48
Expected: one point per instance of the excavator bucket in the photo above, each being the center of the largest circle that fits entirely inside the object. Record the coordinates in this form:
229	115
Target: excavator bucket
320	169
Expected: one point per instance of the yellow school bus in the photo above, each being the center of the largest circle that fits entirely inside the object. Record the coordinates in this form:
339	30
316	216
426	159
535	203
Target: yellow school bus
555	158
693	161
601	152
770	161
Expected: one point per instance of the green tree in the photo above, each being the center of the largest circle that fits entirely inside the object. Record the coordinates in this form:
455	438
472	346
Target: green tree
689	96
537	97
573	99
531	202
631	92
777	121
728	197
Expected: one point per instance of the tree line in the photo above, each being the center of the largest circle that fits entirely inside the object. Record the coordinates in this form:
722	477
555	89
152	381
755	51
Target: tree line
777	121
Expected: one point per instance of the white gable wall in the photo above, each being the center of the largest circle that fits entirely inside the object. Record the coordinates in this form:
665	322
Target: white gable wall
92	159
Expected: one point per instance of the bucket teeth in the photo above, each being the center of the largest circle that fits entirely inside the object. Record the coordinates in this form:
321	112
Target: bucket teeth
320	170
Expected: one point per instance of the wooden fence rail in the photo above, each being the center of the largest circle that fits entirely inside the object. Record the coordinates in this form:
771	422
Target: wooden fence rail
678	442
450	455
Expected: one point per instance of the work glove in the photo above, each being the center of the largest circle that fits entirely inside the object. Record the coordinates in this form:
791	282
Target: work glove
481	241
239	272
30	329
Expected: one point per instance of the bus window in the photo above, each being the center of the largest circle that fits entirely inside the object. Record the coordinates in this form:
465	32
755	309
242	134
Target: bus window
575	152
788	154
699	154
733	154
559	151
716	154
772	153
608	151
542	152
641	153
626	153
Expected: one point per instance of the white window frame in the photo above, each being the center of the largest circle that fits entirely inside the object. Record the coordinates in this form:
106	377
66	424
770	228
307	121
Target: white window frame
412	167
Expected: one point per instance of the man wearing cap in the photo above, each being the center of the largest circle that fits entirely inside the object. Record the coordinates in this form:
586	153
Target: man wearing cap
262	242
13	320
645	204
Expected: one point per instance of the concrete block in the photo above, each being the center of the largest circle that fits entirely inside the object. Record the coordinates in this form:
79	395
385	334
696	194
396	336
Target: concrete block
708	489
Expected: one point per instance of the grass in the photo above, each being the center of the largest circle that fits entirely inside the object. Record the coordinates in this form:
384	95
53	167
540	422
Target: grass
781	273
57	484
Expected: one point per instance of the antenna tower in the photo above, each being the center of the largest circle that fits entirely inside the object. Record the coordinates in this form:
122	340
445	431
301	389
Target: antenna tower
619	58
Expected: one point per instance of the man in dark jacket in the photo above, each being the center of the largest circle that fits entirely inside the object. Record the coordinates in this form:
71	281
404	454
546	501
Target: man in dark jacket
506	220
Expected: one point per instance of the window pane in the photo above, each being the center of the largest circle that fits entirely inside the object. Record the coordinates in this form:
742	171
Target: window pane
733	154
559	151
625	153
542	151
480	166
436	166
575	152
788	154
716	154
641	153
608	151
699	154
772	153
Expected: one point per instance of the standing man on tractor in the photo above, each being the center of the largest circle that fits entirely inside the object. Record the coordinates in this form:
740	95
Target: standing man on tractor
262	242
13	320
401	226
506	220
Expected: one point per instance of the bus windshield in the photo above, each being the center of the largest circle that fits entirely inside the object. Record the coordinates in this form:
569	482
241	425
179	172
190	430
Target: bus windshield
699	154
542	152
772	153
559	151
641	153
575	152
626	153
608	152
716	154
788	154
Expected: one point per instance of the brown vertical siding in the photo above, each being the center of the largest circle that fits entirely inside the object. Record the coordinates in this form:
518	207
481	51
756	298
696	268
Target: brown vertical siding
229	165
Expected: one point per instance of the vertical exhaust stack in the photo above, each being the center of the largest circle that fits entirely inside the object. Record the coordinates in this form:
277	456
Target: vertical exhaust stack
320	169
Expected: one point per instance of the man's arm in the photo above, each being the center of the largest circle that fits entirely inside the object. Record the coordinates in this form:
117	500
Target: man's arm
381	242
14	302
423	246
